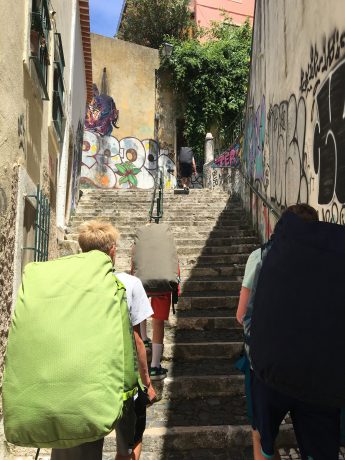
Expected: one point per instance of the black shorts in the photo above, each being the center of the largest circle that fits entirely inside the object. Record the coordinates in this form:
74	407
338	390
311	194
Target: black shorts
129	432
317	428
186	170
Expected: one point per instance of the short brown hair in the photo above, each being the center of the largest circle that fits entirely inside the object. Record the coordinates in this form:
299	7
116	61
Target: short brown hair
304	211
97	234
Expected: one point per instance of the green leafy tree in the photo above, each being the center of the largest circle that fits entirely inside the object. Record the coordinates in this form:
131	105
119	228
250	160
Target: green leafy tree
148	22
210	76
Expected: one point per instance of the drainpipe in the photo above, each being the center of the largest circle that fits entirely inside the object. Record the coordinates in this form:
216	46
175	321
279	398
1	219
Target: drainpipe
63	163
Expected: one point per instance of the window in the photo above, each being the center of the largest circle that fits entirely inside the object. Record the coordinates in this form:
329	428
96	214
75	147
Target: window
40	238
39	41
59	89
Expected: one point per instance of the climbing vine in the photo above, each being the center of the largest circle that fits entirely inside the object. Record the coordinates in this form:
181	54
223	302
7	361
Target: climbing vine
210	76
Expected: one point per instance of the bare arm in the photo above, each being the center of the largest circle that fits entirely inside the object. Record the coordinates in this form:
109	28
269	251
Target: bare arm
242	304
194	165
142	363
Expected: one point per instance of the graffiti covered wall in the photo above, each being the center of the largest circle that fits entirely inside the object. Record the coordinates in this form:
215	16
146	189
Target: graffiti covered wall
294	145
126	163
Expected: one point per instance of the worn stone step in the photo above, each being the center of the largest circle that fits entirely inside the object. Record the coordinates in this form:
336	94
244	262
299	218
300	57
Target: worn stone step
213	272
192	335
229	241
216	250
210	322
213	260
207	313
198	302
208	410
208	286
235	440
219	366
202	350
199	386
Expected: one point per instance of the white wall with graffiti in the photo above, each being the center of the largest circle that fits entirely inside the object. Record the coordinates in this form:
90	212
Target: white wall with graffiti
108	162
294	140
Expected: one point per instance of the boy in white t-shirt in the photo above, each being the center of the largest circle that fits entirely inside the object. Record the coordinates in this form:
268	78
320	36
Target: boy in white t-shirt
103	236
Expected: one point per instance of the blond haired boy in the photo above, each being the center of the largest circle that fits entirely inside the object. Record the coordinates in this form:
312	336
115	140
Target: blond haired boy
102	236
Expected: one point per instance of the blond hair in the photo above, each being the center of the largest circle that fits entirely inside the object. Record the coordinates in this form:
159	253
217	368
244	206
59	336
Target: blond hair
97	234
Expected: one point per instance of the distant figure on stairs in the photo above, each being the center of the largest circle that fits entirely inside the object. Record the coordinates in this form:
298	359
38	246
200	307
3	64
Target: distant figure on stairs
186	167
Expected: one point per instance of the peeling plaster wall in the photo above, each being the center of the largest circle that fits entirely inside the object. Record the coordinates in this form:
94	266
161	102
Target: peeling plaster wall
131	79
294	144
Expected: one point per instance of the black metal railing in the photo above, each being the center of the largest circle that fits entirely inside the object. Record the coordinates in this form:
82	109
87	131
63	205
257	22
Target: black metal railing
42	223
157	201
266	203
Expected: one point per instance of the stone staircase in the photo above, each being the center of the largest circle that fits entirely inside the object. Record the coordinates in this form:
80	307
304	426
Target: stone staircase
201	409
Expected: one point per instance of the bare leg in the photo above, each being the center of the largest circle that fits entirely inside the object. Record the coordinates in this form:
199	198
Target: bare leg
257	448
158	330
137	451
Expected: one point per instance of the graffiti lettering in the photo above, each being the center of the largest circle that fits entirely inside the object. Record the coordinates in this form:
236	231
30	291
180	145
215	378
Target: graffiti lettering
230	157
321	61
329	137
286	138
335	214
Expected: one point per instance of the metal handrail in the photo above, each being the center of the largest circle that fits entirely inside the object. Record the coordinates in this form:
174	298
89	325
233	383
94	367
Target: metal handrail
254	190
159	184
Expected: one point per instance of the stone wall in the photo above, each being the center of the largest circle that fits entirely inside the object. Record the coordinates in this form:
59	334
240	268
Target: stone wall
294	146
223	178
7	253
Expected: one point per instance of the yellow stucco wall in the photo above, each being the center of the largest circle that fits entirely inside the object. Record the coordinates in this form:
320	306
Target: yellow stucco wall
130	70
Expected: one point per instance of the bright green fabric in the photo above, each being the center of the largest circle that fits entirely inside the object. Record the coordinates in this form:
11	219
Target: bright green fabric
70	355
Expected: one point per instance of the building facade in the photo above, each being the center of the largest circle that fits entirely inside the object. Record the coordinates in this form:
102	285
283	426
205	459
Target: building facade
206	11
45	77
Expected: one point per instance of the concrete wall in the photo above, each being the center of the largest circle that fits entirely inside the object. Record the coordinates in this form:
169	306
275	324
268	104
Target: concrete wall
131	80
294	147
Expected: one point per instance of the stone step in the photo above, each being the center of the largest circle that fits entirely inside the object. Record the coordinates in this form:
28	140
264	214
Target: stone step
203	323
199	386
191	335
229	241
213	272
195	251
207	302
202	286
201	350
209	410
124	260
173	443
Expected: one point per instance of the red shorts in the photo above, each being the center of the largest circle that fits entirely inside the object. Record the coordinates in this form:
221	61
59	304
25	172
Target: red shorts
161	306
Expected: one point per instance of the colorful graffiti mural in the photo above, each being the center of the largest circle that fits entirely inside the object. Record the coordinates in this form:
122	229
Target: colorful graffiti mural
127	163
101	115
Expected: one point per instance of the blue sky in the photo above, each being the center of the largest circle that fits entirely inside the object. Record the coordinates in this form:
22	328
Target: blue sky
104	16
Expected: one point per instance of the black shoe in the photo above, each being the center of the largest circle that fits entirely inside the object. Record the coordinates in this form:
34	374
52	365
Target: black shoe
158	373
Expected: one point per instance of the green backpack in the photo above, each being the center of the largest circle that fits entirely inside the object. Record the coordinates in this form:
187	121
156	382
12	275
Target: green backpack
71	359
